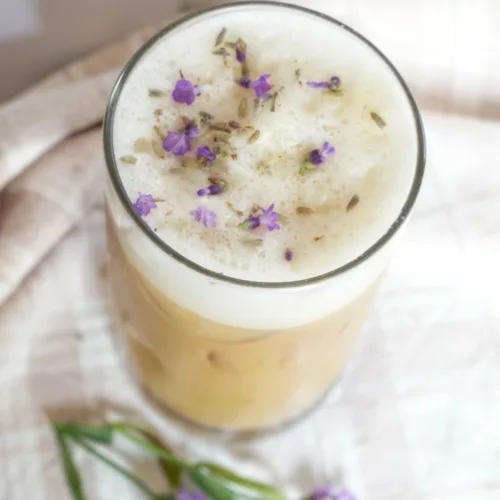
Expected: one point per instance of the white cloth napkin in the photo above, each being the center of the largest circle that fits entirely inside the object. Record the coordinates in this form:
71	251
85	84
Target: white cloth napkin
416	414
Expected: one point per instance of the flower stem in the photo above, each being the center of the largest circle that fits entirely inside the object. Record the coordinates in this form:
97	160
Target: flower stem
118	468
133	432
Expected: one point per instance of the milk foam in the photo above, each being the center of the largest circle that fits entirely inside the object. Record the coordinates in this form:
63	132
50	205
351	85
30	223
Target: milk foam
378	165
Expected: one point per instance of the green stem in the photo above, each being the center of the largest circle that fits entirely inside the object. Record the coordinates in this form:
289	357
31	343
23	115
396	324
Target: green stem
73	477
125	430
118	468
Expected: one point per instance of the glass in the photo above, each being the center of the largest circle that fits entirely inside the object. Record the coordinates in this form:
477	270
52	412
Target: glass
213	371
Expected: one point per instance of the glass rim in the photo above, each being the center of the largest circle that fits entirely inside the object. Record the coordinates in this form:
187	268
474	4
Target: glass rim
156	240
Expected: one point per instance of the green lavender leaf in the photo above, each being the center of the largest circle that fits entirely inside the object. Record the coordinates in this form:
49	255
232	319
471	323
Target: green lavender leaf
73	477
170	470
102	434
139	483
212	486
239	487
136	434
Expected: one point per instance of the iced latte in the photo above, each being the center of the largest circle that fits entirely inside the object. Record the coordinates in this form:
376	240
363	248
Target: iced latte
262	159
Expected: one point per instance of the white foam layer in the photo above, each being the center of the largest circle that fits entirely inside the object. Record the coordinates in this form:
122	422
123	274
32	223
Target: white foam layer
376	164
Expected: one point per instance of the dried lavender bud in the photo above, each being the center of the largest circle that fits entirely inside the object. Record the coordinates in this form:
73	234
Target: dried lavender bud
220	127
352	203
156	93
233	124
206	118
288	255
158	112
318	238
158	148
243	108
254	137
221	37
211	190
222	139
241	51
378	120
245	71
273	102
159	132
304	210
132	160
252	242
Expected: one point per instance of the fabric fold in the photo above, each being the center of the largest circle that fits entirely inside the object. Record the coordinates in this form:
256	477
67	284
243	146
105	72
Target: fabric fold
42	205
34	123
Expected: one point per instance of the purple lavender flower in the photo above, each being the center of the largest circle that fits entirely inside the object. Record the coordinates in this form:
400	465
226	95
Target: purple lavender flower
185	92
317	157
178	143
331	493
260	86
185	495
268	218
204	152
288	255
333	85
241	50
211	190
144	204
204	215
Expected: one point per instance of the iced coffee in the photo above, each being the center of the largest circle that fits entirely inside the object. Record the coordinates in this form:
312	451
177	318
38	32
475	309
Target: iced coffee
262	160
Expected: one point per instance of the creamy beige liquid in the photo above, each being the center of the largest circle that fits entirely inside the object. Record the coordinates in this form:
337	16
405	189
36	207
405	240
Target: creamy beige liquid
235	355
242	385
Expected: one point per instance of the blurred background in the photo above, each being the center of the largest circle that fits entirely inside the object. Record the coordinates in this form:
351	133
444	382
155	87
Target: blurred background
447	50
39	36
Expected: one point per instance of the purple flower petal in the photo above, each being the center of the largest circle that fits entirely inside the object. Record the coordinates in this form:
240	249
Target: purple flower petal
333	84
184	92
268	218
176	143
144	204
204	152
318	85
328	149
206	216
212	190
179	143
261	86
318	156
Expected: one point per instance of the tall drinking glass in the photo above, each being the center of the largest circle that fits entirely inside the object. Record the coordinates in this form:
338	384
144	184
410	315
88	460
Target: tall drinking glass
234	350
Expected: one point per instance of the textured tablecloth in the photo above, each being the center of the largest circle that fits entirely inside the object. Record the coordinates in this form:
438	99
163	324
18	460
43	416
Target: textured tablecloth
416	415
